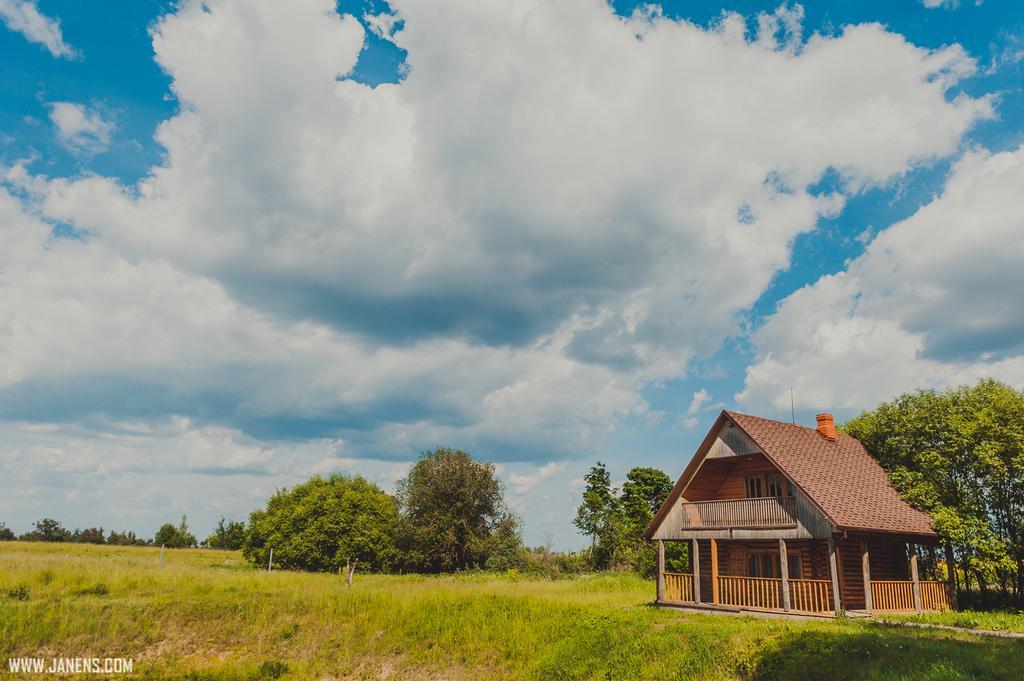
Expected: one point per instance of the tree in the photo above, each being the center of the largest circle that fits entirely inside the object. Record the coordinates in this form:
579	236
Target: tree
642	495
175	537
453	512
48	530
599	517
228	535
325	524
959	454
125	539
90	535
5	533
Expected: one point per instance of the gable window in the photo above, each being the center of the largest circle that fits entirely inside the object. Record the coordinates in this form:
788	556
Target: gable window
771	485
755	487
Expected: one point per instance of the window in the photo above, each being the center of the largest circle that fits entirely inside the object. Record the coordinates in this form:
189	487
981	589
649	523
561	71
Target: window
772	485
754	487
768	564
795	565
763	564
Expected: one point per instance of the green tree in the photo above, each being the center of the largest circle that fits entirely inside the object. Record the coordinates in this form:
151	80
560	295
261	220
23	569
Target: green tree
325	524
48	530
175	537
453	512
228	535
642	495
959	454
5	533
125	539
600	518
90	535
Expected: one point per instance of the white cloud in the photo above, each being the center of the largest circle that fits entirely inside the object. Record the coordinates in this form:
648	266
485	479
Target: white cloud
79	129
934	301
554	209
23	16
700	398
521	484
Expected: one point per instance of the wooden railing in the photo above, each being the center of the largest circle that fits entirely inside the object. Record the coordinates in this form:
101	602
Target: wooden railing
892	594
810	595
935	596
679	587
722	513
750	592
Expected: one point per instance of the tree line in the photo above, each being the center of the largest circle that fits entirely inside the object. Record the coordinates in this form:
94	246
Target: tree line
448	514
228	535
957	454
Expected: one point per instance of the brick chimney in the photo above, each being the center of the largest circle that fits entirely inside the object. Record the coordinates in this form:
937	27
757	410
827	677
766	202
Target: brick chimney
827	426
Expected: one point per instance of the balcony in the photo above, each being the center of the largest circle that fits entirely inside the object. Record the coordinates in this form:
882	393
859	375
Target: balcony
739	513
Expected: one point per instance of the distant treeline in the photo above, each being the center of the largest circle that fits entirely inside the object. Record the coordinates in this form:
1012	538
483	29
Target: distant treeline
227	535
448	514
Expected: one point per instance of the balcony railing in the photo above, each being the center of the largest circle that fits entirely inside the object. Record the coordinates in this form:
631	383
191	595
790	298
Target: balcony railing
725	513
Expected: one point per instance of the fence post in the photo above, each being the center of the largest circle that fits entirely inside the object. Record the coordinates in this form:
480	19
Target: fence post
270	563
162	555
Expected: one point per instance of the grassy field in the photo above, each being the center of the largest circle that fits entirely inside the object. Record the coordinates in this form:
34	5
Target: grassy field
207	615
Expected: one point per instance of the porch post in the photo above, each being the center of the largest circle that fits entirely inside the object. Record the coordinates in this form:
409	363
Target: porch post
714	571
695	566
951	575
661	570
784	572
865	566
833	570
914	577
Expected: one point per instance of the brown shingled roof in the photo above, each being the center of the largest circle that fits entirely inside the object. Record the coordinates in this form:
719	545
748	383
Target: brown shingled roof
841	478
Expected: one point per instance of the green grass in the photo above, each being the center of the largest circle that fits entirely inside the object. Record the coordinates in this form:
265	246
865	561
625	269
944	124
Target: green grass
206	615
971	619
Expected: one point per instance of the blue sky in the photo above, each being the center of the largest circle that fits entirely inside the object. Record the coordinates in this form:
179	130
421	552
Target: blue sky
243	245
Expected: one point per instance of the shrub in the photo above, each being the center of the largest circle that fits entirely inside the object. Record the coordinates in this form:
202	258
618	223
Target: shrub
325	524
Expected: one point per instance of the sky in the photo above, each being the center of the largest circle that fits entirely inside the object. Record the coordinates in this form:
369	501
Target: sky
243	242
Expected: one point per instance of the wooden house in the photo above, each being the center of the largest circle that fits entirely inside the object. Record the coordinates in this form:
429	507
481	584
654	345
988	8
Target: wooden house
785	518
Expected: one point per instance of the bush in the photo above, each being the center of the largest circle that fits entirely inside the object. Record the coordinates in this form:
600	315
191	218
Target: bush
5	533
175	537
325	524
18	593
228	535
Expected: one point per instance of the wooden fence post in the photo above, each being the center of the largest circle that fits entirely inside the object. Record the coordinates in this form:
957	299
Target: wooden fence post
695	566
270	563
865	566
784	572
661	570
714	571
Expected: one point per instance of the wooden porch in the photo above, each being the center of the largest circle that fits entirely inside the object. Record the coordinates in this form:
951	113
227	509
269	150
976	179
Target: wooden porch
821	585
